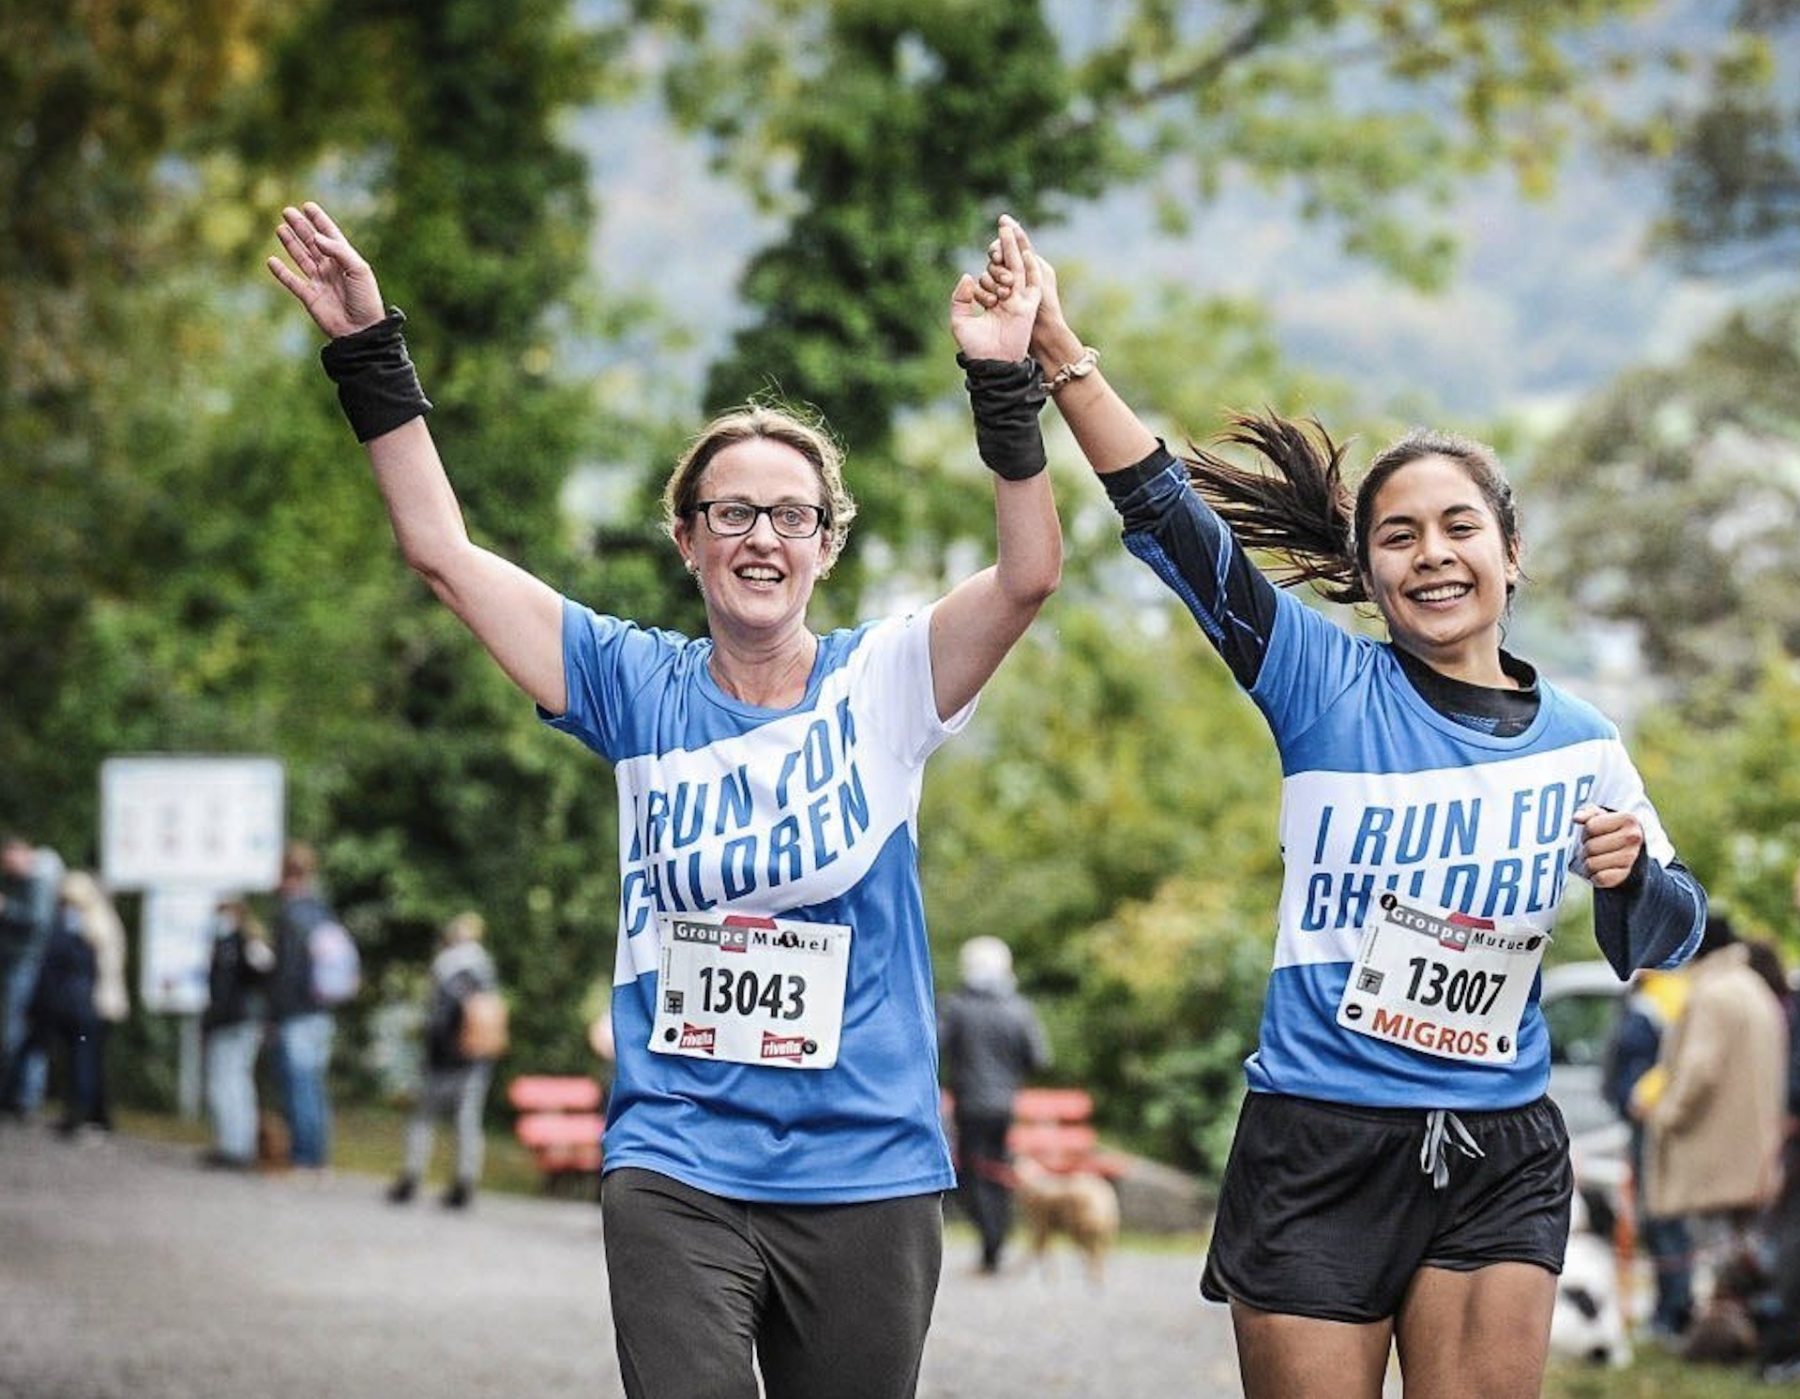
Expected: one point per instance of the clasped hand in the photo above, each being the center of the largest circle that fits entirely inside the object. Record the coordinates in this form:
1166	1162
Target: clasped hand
999	329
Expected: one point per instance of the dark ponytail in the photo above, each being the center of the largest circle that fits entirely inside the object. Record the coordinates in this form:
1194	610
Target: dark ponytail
1304	515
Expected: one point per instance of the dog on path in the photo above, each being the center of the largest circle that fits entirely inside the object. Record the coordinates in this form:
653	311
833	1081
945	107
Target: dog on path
1081	1207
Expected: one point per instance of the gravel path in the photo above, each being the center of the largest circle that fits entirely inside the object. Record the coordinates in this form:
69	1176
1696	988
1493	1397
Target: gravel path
126	1272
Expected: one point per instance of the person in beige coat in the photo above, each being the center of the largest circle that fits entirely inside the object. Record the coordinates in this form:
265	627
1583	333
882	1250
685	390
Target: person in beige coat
1715	1133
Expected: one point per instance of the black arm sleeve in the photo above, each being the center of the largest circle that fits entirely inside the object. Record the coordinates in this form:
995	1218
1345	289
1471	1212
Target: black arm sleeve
378	388
1171	528
1006	399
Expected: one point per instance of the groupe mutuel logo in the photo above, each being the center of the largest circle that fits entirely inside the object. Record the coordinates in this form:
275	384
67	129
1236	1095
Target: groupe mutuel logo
1458	932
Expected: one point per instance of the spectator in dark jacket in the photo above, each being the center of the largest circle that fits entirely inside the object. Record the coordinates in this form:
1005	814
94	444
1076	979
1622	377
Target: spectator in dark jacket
457	1069
303	1023
237	1014
30	878
990	1041
80	992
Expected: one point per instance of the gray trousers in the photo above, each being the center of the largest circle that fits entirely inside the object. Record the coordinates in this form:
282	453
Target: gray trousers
457	1094
833	1301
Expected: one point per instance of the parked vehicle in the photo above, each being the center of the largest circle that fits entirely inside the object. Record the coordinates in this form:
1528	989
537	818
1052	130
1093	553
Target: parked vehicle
1581	1002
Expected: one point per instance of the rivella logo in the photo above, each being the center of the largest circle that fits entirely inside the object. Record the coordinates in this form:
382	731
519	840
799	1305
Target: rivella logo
702	1037
793	1048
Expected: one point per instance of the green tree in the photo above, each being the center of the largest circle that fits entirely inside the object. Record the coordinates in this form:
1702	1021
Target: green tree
1736	820
1732	154
1112	815
1670	502
203	561
96	318
1363	109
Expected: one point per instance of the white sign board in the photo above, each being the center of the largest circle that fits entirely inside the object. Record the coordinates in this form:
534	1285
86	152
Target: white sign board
212	822
176	949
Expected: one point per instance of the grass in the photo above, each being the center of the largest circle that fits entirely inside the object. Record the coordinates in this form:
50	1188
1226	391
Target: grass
1654	1375
370	1140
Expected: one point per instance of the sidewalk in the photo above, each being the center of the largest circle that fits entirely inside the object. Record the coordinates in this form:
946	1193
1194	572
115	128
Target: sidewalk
126	1272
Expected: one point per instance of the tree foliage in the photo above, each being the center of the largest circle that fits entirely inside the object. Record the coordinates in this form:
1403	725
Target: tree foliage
1672	499
1369	113
1112	815
1734	804
202	559
1733	169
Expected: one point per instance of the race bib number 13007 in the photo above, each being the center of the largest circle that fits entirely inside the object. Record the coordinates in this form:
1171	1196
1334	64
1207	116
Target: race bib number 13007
752	991
1442	983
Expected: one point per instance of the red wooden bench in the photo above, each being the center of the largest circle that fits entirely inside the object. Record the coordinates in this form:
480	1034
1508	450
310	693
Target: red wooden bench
1054	1127
559	1123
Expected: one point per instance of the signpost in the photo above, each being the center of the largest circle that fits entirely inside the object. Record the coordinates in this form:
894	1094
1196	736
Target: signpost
188	831
215	823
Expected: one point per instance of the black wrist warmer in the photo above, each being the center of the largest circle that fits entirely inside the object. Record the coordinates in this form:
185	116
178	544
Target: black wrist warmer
1006	397
377	384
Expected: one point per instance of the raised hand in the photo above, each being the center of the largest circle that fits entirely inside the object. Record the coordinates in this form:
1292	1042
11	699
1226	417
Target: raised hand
1610	842
334	284
998	283
1001	330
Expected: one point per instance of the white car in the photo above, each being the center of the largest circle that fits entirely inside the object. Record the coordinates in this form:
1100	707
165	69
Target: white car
1581	1003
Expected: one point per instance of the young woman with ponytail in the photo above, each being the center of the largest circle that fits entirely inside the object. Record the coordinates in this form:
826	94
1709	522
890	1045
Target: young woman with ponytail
1399	1180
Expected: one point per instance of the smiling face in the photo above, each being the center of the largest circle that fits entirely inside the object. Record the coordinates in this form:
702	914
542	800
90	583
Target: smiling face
1438	564
759	581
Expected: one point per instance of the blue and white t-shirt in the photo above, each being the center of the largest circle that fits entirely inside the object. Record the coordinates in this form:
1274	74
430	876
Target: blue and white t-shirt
805	813
1382	792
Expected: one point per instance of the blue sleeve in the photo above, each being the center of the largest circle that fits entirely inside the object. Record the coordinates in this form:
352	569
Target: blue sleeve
1293	660
1170	527
1654	919
1793	1093
43	902
605	661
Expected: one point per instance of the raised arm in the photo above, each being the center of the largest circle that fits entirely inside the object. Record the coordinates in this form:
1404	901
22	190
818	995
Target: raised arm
517	617
1109	434
978	621
1166	523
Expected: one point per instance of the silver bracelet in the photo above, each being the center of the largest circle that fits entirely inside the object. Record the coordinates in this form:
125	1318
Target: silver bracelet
1080	369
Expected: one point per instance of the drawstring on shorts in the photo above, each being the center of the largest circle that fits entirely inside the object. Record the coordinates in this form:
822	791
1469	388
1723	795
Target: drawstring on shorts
1444	1128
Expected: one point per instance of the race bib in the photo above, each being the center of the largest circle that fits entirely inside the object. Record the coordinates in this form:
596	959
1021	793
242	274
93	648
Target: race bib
752	990
1442	983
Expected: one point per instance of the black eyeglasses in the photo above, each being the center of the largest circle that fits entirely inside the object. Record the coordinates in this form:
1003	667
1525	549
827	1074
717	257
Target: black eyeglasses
733	517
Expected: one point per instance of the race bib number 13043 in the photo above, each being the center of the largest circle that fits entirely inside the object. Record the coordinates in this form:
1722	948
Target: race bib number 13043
752	991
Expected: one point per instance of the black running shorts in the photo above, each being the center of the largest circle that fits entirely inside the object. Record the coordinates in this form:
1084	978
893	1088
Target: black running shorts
1326	1212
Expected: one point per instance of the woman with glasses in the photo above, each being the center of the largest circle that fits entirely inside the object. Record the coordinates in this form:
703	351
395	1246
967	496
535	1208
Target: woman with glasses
774	1157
